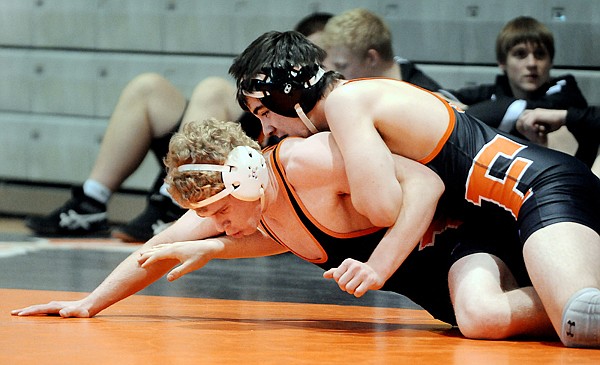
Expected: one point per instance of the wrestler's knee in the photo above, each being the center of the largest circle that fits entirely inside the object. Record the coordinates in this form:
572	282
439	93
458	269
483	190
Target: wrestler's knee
483	318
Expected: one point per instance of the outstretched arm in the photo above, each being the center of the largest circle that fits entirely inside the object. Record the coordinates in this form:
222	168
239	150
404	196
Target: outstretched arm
421	189
128	278
193	255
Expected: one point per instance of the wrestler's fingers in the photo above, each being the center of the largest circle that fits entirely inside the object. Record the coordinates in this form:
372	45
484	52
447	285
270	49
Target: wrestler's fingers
335	272
329	273
180	271
148	259
351	285
74	312
145	259
145	255
362	289
49	308
157	248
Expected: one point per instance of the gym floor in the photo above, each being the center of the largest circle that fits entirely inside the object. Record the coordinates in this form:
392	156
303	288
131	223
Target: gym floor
276	310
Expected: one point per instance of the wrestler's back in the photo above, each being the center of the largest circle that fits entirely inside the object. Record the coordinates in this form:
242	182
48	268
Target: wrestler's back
316	176
411	121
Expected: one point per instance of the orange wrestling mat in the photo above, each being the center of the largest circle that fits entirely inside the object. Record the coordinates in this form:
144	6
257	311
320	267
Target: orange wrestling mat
166	330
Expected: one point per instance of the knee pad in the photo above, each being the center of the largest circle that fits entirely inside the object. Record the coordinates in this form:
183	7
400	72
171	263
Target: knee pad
581	319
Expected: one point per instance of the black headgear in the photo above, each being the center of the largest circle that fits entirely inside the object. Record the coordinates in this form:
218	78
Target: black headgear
281	89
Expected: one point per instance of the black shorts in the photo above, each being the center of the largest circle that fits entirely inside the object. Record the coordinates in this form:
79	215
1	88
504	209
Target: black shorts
570	193
423	277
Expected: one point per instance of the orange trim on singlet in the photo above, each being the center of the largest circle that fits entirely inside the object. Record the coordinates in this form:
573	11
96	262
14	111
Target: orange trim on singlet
315	222
273	235
447	133
282	190
451	121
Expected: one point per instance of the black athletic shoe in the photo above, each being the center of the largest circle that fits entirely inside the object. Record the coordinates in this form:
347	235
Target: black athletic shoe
160	213
79	216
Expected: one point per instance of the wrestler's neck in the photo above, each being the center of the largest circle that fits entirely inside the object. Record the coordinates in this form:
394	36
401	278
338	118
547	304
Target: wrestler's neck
317	114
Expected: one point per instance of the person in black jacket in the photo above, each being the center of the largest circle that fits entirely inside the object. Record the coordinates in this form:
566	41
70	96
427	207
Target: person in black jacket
524	52
583	123
359	44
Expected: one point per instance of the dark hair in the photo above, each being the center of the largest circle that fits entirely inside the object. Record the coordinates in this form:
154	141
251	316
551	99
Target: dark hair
523	29
313	23
273	50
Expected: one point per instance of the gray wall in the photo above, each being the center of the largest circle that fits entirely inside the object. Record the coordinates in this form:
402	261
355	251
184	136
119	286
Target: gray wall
63	63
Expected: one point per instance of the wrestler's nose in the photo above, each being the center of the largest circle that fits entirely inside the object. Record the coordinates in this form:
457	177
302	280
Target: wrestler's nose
268	128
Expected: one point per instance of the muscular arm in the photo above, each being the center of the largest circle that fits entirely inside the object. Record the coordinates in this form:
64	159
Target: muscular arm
375	190
421	190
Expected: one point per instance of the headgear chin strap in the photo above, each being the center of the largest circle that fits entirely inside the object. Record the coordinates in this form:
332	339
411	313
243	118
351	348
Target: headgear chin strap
287	91
244	174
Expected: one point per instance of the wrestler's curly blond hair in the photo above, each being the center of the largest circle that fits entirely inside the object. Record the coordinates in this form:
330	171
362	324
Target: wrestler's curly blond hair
206	142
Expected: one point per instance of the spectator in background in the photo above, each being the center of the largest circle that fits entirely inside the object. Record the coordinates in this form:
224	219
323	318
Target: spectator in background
525	53
359	44
312	25
149	110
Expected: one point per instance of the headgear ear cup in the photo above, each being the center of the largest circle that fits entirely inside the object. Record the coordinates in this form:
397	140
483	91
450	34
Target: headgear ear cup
244	174
249	174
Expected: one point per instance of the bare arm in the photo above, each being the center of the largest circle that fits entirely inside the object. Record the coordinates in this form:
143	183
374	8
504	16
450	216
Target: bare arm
421	190
375	190
128	278
537	123
193	255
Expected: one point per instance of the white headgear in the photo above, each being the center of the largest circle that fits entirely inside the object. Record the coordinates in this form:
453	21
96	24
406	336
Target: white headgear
244	174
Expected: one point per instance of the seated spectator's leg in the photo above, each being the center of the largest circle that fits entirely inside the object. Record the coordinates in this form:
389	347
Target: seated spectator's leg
149	107
213	97
488	303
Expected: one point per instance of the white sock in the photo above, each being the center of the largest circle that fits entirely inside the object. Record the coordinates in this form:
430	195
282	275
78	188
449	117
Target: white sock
581	319
164	191
96	190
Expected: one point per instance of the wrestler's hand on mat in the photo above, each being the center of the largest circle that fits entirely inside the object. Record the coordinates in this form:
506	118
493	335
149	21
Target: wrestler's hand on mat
64	309
355	277
191	254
